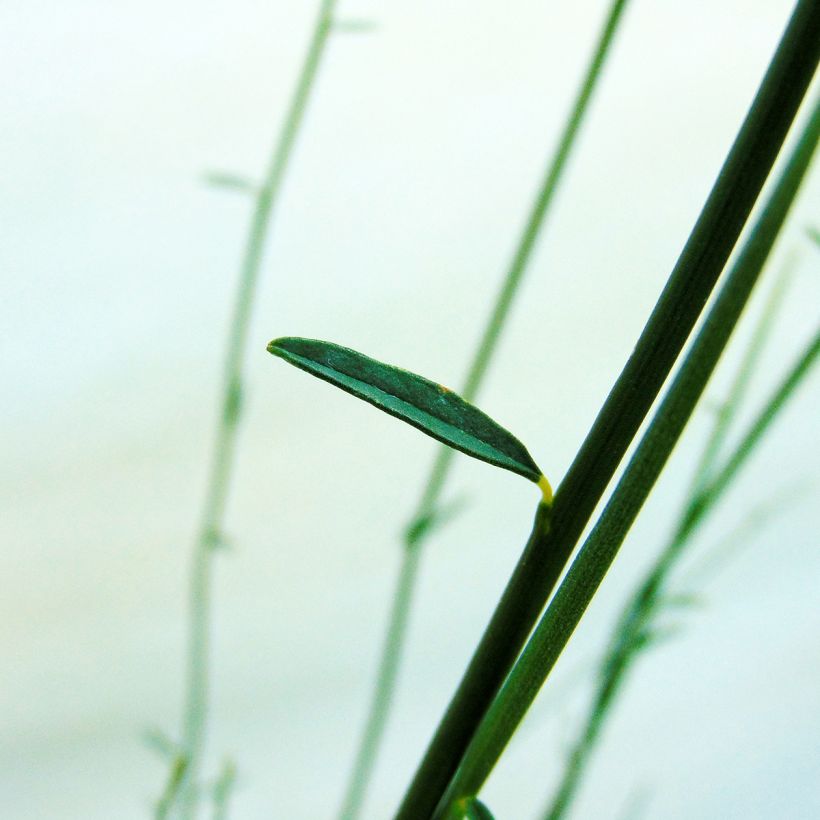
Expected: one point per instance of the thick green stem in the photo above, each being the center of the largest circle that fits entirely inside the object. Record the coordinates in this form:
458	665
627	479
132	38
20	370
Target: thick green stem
427	508
597	554
223	460
633	628
635	620
690	284
631	632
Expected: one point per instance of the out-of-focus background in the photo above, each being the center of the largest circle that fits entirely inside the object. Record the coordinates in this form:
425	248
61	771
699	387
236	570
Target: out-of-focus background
421	151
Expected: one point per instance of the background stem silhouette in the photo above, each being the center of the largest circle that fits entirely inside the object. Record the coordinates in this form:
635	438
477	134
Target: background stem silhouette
210	535
428	513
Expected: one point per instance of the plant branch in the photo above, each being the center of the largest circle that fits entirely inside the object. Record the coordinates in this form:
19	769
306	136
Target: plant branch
687	290
224	450
597	554
634	630
728	409
763	421
222	791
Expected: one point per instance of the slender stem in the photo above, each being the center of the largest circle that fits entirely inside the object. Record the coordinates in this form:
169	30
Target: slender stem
580	752
597	554
385	684
224	451
636	805
166	800
631	632
427	508
543	200
222	791
737	391
687	290
763	422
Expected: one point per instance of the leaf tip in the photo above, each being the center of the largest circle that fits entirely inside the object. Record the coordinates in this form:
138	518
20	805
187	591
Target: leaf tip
275	346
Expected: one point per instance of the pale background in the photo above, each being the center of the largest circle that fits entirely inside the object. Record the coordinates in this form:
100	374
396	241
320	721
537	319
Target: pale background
418	160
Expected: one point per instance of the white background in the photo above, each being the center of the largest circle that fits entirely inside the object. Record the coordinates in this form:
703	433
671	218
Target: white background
421	151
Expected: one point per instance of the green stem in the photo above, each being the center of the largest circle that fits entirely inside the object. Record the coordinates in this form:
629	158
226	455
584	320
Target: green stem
223	460
175	776
222	791
597	554
727	411
580	752
762	423
630	634
687	290
634	622
543	201
427	508
385	685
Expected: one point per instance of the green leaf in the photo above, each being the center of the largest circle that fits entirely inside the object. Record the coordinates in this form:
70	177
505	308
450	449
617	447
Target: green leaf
233	182
429	406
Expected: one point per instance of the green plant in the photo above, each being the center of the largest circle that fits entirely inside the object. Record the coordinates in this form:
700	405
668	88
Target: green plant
495	689
183	785
695	274
637	628
589	568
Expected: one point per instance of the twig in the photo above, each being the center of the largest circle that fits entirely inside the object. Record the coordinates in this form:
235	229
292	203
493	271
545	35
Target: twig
224	451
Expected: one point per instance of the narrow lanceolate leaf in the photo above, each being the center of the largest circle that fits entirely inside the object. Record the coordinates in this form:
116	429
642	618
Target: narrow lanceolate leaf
234	182
429	406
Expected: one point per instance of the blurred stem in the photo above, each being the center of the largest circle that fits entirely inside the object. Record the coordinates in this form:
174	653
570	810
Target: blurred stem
222	791
636	805
762	423
385	685
727	411
776	503
428	506
634	627
588	570
543	200
679	307
175	775
224	452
